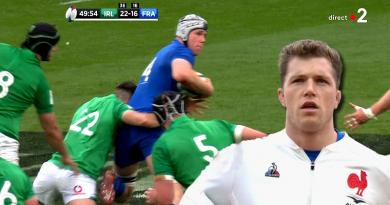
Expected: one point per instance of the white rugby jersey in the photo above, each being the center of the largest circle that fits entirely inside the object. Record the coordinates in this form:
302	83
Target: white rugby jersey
275	171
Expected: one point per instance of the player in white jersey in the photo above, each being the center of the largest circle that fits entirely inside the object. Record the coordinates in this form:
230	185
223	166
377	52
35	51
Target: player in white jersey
308	162
362	115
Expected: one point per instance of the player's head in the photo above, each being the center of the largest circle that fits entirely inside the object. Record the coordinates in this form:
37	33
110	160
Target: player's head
168	106
310	72
192	29
41	39
125	90
306	49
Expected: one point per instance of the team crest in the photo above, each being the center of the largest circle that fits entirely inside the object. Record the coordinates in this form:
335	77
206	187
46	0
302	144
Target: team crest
272	171
354	181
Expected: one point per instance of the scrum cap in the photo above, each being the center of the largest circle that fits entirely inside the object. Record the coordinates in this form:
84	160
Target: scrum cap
168	105
41	38
188	23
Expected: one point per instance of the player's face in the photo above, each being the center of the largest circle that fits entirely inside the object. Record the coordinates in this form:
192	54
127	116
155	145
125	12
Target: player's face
309	94
196	40
52	51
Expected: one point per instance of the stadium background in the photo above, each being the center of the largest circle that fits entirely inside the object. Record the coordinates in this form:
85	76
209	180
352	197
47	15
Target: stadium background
240	57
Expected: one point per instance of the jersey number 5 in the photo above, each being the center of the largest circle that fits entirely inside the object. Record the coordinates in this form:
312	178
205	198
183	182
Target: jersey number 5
204	148
86	130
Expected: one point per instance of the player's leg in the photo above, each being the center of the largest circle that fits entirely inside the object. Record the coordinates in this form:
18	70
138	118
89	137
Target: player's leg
77	189
126	173
127	156
106	187
125	182
82	202
44	185
146	146
149	164
9	149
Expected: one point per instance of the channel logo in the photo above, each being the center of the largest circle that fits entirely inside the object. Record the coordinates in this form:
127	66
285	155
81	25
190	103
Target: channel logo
358	17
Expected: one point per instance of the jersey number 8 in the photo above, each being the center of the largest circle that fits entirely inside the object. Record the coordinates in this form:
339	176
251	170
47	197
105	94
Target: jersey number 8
6	80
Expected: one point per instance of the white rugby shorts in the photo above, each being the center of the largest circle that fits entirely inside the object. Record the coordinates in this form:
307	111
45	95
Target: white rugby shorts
9	149
52	181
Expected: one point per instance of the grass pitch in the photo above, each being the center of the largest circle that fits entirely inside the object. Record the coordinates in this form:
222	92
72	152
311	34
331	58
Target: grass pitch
240	56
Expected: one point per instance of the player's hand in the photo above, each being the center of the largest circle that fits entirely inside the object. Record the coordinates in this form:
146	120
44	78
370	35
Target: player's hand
354	120
68	161
195	105
150	196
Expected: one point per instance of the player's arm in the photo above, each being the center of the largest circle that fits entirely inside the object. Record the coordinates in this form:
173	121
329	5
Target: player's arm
132	117
246	133
54	137
168	191
182	72
382	104
362	115
32	201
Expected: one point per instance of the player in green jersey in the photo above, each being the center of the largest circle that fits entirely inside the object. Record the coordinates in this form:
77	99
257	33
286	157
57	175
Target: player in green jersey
15	185
186	147
89	140
23	83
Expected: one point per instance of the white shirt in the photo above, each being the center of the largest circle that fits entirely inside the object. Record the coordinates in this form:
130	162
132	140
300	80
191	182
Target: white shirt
238	175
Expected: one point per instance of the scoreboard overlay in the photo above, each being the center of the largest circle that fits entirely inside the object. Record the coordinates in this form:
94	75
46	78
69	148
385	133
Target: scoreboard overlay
122	13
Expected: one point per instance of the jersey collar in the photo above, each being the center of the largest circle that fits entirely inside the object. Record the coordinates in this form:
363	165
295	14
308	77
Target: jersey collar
180	120
30	56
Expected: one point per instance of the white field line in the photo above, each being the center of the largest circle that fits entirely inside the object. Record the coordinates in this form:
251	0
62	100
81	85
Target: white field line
73	2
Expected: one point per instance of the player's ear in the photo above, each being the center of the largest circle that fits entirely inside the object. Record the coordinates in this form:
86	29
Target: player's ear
281	97
338	99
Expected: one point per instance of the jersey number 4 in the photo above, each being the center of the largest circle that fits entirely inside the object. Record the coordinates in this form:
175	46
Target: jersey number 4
86	130
204	148
148	70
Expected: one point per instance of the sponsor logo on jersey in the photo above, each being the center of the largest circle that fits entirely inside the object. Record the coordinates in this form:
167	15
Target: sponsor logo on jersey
354	200
272	171
77	189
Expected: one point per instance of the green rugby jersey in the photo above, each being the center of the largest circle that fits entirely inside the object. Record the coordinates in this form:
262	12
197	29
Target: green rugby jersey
22	83
91	134
187	147
15	185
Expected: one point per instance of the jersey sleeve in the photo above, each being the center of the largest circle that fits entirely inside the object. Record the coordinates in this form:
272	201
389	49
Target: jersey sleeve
29	193
235	130
184	54
25	185
215	182
121	108
162	160
43	101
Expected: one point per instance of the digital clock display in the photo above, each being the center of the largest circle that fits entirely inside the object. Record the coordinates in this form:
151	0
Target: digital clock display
88	13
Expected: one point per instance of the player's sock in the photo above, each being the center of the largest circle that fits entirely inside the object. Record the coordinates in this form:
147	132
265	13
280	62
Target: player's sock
119	187
122	182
